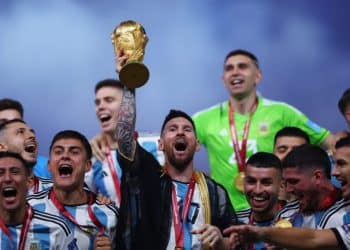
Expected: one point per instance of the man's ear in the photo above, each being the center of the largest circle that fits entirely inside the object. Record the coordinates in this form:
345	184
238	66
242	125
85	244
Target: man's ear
3	147
88	165
49	166
198	145
160	144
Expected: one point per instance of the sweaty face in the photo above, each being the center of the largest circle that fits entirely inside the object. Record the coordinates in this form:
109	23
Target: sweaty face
285	144
9	114
13	184
20	138
178	142
240	76
261	187
341	169
303	186
107	103
68	164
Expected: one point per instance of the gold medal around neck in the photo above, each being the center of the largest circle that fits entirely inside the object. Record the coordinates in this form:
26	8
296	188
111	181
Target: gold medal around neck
283	223
239	181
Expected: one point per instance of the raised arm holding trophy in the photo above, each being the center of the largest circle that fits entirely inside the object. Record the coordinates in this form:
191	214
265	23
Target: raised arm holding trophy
130	38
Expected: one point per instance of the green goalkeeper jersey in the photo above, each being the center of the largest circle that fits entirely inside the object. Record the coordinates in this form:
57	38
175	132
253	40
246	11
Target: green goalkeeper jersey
213	131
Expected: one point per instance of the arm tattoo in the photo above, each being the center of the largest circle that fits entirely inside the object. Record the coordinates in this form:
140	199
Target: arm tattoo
126	124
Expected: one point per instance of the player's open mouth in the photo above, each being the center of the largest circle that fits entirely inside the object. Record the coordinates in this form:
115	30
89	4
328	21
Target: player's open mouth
104	117
236	81
9	192
65	170
180	146
30	147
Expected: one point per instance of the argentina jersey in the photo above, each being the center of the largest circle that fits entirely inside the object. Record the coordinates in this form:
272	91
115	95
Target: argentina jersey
45	231
337	215
40	184
194	220
244	217
292	212
100	179
343	235
85	233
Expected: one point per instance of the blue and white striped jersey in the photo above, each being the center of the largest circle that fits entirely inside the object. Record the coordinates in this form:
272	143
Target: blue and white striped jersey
100	180
343	235
39	185
194	220
337	215
46	231
292	212
244	216
107	215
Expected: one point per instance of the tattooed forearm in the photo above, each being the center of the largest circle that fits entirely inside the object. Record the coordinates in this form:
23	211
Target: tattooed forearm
126	124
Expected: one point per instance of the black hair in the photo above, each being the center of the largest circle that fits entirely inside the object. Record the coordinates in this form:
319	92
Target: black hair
4	123
72	134
177	113
7	103
344	101
308	157
343	142
245	53
5	154
264	160
292	131
109	83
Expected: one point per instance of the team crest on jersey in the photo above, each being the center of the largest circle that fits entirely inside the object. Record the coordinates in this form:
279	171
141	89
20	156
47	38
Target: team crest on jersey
264	128
346	228
223	132
91	230
34	245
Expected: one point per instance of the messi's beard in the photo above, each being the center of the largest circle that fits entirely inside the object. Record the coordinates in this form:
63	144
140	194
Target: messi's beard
180	164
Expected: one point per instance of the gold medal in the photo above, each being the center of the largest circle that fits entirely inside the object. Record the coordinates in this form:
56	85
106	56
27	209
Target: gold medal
239	181
283	223
178	248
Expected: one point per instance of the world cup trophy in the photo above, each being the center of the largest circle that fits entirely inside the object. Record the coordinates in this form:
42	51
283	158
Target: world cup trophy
130	37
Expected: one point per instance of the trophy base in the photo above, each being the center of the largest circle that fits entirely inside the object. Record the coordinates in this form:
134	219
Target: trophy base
134	75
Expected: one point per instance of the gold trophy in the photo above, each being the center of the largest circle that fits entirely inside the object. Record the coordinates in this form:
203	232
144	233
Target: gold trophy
130	37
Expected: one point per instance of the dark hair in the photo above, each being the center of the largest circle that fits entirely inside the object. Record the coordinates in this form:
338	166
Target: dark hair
343	142
292	131
72	134
108	83
5	154
264	160
245	53
8	103
177	113
4	123
306	157
344	101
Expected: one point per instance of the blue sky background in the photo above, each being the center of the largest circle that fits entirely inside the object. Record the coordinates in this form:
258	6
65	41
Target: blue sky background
53	52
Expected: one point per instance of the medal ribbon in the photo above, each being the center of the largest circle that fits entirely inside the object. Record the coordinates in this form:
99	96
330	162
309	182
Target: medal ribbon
115	178
25	227
240	153
179	233
65	212
28	217
36	184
